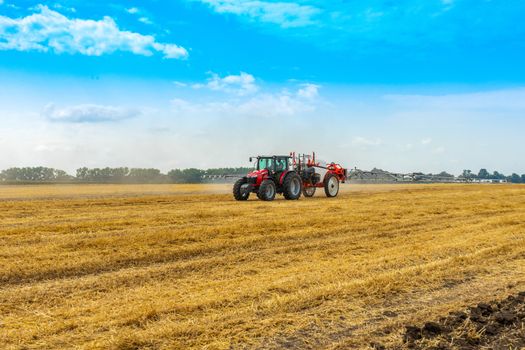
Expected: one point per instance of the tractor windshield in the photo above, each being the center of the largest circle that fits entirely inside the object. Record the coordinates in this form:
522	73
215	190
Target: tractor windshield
265	163
277	164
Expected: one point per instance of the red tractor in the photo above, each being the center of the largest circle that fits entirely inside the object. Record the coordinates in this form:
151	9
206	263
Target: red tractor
290	175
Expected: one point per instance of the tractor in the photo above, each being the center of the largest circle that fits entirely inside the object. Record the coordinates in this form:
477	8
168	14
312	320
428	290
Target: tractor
290	175
272	175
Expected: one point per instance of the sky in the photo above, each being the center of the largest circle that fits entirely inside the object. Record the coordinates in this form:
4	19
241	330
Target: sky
434	85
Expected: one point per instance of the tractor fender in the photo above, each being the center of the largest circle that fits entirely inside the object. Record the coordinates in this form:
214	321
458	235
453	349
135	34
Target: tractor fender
284	174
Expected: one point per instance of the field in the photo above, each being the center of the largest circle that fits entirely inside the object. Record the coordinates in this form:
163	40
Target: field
176	266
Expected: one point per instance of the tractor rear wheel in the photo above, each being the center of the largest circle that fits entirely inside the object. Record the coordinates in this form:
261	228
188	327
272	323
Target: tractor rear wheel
331	185
266	190
292	186
240	192
309	191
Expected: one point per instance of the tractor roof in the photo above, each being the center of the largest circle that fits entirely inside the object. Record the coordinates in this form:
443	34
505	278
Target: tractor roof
274	157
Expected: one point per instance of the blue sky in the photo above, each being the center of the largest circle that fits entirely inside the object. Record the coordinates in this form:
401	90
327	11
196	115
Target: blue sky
404	85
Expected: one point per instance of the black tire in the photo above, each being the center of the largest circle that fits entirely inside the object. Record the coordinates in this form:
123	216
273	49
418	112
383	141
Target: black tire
238	192
331	185
292	186
266	190
308	191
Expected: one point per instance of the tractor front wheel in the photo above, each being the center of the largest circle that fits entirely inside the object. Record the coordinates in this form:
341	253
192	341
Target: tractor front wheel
331	185
309	191
240	191
292	186
266	190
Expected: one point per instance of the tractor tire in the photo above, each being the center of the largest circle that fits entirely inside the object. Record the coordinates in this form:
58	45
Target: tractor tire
292	186
331	185
266	191
238	192
309	191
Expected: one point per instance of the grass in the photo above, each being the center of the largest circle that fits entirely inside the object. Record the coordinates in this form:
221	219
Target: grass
176	266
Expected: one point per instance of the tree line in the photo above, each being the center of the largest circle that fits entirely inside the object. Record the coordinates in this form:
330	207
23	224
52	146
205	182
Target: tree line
114	175
484	174
191	175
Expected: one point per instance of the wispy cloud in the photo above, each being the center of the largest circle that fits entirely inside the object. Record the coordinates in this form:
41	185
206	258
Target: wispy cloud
242	84
309	91
510	99
366	142
285	14
136	11
145	20
262	105
89	113
439	150
48	30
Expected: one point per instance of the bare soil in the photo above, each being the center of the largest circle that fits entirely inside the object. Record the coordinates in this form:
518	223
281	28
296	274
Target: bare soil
495	325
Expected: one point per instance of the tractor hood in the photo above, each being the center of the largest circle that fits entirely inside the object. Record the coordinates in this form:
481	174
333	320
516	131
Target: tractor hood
258	173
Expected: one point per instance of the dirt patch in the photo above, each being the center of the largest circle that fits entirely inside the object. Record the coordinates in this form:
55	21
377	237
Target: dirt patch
494	325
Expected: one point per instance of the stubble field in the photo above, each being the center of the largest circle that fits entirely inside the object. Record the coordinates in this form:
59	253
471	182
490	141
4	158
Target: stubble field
182	267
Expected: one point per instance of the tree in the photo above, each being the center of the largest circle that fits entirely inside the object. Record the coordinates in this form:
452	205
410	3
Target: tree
191	175
34	174
146	175
483	174
515	178
445	174
498	176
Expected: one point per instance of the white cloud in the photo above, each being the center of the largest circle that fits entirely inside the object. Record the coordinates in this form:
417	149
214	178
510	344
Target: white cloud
426	141
273	105
242	84
52	147
137	11
262	105
505	100
439	150
365	142
48	30
286	14
64	8
309	91
89	113
171	50
145	20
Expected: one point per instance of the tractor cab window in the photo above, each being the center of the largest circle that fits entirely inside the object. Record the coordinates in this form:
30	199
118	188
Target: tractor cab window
265	163
280	164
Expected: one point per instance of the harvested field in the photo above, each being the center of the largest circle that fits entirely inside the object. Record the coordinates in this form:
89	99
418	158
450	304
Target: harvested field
497	325
175	266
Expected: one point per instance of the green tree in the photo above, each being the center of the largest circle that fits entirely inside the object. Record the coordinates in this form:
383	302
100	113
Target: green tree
498	176
34	174
483	174
191	175
515	178
445	174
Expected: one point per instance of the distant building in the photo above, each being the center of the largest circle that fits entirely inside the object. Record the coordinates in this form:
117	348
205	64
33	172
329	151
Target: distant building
490	181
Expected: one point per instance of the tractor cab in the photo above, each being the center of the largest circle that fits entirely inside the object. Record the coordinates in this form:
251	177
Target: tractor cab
274	164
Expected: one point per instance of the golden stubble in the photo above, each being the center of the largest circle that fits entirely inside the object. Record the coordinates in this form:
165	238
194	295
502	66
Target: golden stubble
186	266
